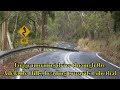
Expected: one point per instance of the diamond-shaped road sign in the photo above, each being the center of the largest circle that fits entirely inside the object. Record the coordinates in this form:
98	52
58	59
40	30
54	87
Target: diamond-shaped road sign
24	31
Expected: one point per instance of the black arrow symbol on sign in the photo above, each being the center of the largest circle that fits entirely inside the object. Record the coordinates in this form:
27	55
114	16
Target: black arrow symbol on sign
24	31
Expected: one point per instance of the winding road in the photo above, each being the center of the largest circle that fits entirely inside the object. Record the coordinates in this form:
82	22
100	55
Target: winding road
85	65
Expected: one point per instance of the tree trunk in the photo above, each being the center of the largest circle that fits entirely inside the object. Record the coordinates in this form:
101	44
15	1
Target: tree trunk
4	37
65	26
4	31
44	22
9	40
98	35
13	37
115	26
85	34
91	35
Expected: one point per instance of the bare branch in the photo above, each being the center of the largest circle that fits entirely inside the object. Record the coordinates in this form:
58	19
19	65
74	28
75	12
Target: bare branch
5	19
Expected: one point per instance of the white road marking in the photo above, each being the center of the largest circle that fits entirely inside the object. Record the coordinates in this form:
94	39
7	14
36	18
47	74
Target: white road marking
59	77
78	68
67	60
18	77
107	61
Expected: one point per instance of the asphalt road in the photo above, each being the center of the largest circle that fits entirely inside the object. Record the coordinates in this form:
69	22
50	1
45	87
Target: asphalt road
90	66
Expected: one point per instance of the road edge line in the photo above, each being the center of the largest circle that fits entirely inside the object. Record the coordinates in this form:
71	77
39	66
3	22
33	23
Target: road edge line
107	61
18	77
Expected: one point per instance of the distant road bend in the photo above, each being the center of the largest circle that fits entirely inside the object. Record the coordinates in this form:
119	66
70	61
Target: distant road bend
84	58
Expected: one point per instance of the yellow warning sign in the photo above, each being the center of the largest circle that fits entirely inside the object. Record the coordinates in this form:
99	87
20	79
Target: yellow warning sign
24	31
24	41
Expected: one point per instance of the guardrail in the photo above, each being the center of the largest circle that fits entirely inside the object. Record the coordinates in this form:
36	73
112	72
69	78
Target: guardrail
4	57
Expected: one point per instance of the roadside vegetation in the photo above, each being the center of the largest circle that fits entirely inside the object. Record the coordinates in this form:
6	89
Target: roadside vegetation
110	48
9	65
97	31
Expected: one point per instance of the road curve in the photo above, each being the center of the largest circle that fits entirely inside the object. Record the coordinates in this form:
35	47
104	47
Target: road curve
71	58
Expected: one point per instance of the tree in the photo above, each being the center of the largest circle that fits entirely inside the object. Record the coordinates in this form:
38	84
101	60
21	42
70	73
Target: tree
44	22
15	27
4	31
116	17
44	16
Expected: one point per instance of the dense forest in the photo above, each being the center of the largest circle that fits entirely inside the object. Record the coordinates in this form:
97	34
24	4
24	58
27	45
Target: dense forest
97	31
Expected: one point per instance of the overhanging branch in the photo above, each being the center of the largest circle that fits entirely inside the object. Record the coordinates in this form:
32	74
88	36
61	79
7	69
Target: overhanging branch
5	19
